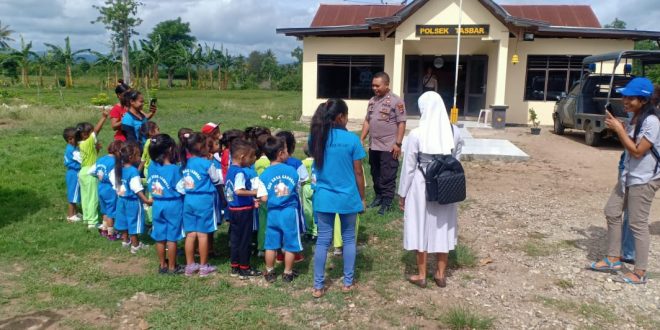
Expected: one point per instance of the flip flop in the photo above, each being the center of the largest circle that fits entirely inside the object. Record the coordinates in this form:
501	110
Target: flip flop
627	280
610	266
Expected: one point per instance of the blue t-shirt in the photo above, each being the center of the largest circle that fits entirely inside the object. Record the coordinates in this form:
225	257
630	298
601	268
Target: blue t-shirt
165	181
197	176
104	165
281	183
238	178
72	158
336	190
131	125
131	184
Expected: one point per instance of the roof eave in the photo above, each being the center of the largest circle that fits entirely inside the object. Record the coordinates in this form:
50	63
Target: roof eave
575	32
325	30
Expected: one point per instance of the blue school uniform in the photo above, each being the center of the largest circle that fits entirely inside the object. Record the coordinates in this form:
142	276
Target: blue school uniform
130	213
166	187
72	162
107	195
300	168
199	180
239	178
282	231
217	201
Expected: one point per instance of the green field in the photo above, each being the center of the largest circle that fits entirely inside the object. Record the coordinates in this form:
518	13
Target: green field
59	270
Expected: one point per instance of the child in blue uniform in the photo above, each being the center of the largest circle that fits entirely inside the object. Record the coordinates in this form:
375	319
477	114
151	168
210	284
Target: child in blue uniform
299	167
166	187
240	195
199	216
72	162
280	192
107	195
213	155
130	212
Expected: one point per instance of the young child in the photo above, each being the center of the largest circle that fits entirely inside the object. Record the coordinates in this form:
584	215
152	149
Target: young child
183	134
72	163
259	166
306	194
240	194
166	187
213	147
199	217
297	165
130	212
104	171
151	129
280	192
225	142
87	144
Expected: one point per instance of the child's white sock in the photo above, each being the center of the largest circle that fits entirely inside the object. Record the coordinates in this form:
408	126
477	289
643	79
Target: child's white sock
268	270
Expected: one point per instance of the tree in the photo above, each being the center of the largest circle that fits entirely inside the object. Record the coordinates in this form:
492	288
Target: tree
5	34
616	24
152	50
22	57
254	61
297	53
652	71
187	57
119	17
173	34
269	68
65	56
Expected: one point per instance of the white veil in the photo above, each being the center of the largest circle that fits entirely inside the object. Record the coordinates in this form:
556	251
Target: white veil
435	130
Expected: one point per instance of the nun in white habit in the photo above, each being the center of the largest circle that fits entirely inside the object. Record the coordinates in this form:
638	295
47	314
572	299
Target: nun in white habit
428	227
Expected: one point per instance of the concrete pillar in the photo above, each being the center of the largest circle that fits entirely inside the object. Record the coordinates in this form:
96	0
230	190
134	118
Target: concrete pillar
502	63
396	83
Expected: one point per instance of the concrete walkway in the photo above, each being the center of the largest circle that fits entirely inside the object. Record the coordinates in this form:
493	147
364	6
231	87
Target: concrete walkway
482	149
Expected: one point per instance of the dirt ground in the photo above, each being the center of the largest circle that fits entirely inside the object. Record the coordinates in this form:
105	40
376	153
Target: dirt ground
541	222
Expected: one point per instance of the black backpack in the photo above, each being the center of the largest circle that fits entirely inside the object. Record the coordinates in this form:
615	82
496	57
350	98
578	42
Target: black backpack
445	178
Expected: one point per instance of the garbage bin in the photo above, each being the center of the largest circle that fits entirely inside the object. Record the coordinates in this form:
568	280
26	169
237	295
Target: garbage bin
499	116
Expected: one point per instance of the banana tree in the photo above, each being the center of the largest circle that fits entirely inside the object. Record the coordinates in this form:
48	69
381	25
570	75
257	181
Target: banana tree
5	34
225	61
108	61
151	49
67	57
24	57
187	57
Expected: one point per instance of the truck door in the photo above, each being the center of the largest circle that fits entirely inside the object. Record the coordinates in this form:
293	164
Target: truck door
570	107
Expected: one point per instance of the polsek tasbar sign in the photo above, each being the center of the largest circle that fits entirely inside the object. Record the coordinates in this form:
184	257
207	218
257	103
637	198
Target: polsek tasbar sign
451	30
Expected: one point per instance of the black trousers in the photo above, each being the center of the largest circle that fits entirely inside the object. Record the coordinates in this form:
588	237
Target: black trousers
240	237
383	172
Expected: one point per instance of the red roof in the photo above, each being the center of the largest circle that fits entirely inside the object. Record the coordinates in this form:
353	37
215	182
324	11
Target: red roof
338	15
557	15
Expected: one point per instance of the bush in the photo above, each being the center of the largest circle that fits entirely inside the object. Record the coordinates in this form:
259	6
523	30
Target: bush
101	99
5	94
291	82
460	318
462	257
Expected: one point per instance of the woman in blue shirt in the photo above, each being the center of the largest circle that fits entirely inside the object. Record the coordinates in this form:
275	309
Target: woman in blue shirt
338	156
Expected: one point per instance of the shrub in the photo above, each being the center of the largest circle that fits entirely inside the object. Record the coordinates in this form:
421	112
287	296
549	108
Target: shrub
462	257
101	99
460	318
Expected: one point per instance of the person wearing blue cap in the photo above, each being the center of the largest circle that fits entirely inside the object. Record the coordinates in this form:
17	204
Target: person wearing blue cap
638	182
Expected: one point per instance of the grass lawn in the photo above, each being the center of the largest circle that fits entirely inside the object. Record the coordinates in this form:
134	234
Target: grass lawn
51	266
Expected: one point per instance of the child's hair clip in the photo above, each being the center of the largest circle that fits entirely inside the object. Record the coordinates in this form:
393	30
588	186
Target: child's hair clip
153	140
186	135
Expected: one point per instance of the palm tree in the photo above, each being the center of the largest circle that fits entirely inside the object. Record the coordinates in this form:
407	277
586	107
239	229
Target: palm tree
66	57
5	32
23	57
152	51
42	61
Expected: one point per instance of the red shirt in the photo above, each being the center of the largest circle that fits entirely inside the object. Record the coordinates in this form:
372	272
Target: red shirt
117	112
224	162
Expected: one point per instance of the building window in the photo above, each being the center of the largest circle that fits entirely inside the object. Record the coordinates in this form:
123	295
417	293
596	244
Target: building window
347	76
550	76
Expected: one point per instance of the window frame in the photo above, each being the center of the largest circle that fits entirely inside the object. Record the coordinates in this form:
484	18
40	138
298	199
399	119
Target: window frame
549	67
352	62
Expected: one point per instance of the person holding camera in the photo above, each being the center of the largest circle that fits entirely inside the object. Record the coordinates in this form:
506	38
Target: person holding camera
428	227
638	182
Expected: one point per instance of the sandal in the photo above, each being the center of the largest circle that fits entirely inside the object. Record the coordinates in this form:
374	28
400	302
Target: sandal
625	279
609	266
420	282
348	288
440	282
318	293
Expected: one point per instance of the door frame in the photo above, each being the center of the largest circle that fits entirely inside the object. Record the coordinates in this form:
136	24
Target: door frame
470	59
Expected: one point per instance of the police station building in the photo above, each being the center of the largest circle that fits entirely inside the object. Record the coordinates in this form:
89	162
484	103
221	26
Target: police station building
520	56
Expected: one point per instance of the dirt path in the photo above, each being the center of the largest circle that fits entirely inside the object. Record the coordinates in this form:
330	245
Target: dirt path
541	222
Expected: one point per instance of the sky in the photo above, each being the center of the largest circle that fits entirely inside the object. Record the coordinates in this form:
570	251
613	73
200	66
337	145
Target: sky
240	26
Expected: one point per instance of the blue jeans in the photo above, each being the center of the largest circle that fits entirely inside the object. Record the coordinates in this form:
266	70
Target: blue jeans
627	241
326	223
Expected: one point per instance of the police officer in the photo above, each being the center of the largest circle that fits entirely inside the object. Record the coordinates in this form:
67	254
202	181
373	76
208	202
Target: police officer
385	124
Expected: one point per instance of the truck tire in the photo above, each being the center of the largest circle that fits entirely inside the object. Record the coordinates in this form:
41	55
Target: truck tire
591	138
558	127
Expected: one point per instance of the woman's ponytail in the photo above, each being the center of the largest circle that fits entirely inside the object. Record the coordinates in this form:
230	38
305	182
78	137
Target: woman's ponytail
322	122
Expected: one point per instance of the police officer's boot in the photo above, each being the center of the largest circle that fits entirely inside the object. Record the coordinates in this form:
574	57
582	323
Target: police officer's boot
376	202
385	206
